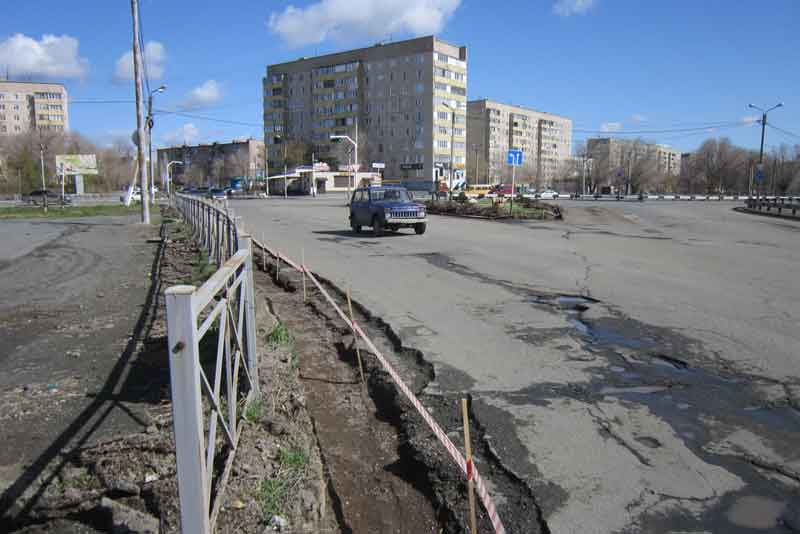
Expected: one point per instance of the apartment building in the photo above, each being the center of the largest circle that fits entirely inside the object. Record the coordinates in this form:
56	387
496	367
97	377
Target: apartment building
404	103
612	155
493	128
212	164
31	106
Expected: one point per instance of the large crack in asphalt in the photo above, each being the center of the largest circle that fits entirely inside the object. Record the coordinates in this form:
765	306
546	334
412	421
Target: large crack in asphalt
424	460
701	396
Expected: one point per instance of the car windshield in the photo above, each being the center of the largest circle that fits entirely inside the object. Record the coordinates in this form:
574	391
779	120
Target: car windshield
396	195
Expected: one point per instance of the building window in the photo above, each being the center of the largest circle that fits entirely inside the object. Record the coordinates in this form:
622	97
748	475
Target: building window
442	115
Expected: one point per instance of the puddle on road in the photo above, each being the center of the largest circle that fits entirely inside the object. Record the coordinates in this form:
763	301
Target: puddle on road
755	512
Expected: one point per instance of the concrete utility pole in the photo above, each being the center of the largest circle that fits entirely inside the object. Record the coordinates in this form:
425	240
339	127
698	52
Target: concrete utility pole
475	146
137	72
452	146
42	148
763	128
539	154
150	137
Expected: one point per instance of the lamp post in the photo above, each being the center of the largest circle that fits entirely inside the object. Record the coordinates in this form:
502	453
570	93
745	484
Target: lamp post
452	146
355	151
285	166
763	128
169	176
150	137
42	148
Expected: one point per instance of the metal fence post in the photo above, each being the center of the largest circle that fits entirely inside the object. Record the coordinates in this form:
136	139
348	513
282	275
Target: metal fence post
246	243
187	410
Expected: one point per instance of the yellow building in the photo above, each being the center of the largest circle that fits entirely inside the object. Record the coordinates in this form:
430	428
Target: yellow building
31	106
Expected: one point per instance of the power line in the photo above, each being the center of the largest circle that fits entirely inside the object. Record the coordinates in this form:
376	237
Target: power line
204	118
663	131
101	101
141	47
787	132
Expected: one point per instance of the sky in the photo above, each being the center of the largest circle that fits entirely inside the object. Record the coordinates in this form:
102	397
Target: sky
678	71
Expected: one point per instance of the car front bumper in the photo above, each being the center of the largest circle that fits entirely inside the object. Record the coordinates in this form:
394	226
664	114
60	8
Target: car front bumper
406	220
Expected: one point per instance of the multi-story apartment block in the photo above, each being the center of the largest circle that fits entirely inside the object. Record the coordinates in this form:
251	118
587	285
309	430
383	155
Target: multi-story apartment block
212	164
31	106
405	102
612	155
493	128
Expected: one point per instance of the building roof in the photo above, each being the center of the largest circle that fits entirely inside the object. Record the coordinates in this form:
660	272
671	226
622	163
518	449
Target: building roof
526	108
390	44
33	83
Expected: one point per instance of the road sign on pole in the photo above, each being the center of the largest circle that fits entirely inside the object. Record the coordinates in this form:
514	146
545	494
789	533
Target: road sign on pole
515	157
760	173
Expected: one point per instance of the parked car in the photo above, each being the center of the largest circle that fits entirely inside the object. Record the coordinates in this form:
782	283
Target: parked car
217	194
37	197
386	208
135	197
548	194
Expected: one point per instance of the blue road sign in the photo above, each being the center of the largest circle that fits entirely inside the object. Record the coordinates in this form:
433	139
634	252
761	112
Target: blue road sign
759	176
515	157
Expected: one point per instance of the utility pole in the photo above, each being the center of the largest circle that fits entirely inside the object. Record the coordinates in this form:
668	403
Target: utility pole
42	148
763	128
539	154
475	146
152	179
137	71
285	171
266	167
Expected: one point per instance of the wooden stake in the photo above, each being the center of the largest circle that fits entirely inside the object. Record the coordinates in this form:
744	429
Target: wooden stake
277	265
264	254
470	483
303	267
355	335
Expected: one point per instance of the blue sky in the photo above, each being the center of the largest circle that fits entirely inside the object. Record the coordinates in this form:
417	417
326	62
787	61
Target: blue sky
614	65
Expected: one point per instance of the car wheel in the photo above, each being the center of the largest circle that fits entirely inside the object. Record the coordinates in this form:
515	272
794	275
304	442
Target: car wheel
377	227
356	228
419	228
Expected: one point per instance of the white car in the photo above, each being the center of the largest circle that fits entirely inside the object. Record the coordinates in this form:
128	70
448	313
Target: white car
548	194
135	197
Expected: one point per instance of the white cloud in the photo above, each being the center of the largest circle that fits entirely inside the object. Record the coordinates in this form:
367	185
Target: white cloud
186	134
204	95
566	8
611	126
155	57
638	118
51	57
353	19
751	119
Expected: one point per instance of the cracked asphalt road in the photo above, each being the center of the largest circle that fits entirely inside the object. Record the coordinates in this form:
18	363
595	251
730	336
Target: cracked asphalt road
667	401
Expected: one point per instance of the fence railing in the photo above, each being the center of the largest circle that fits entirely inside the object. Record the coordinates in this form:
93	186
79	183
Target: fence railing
213	363
781	206
216	229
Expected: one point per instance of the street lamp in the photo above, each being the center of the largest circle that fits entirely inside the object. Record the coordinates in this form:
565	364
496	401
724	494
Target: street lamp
169	177
763	128
452	146
150	136
355	150
285	167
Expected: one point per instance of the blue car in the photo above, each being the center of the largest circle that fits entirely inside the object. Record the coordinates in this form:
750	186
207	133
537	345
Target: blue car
386	208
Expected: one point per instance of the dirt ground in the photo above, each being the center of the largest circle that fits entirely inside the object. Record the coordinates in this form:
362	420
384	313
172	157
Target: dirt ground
321	451
124	477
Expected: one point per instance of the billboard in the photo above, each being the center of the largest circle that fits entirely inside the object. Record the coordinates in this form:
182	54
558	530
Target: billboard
76	164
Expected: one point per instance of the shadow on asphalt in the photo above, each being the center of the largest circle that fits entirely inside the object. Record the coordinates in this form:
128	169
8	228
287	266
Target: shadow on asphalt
119	387
365	234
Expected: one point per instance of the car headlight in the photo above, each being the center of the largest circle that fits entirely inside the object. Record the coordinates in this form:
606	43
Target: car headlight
388	212
421	212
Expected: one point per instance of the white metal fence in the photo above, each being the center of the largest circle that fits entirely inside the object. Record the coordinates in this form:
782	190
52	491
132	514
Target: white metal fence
213	363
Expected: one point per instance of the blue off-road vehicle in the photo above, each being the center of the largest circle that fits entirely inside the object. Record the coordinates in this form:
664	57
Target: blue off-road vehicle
386	208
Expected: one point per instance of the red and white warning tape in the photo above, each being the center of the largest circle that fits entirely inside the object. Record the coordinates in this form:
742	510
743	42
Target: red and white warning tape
468	471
